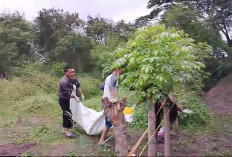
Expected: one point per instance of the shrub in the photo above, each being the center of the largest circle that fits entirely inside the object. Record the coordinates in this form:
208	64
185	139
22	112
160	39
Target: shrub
15	90
140	119
200	116
90	86
94	103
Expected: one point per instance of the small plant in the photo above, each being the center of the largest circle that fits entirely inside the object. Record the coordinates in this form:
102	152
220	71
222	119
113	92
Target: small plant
26	154
207	153
227	153
186	143
71	154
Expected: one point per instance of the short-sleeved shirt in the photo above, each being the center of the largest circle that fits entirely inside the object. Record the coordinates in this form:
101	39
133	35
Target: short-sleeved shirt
75	82
111	84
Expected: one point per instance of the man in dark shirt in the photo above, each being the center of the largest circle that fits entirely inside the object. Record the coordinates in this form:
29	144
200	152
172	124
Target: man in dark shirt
64	94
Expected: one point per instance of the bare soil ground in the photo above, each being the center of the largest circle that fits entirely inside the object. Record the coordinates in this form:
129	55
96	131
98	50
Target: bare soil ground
215	141
13	150
219	98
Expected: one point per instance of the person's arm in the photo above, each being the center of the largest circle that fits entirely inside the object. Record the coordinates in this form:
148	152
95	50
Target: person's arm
112	87
81	93
78	85
136	103
80	90
178	107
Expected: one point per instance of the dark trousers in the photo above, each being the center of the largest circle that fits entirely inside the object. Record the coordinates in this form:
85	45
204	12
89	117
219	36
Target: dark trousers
67	118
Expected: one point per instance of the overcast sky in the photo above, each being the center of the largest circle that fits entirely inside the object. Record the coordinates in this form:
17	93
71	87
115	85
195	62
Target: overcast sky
116	10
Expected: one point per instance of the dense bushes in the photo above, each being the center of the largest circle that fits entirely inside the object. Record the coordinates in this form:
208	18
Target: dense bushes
90	86
217	72
200	116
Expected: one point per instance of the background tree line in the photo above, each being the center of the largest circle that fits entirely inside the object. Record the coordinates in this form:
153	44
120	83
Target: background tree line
56	38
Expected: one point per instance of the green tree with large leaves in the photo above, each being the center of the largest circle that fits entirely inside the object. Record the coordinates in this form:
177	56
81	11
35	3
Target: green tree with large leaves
159	61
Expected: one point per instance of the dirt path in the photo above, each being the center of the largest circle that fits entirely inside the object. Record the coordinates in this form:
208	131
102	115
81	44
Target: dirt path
219	98
15	150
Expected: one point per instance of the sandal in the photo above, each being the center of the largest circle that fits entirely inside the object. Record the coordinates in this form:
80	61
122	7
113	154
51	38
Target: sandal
71	135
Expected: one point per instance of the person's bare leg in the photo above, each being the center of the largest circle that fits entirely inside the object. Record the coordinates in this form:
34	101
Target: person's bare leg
103	135
66	131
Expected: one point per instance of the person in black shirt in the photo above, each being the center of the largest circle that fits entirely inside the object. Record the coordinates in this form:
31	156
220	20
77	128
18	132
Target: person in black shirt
74	81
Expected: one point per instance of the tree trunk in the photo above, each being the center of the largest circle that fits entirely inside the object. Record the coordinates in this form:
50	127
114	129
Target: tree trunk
229	41
121	147
167	139
151	130
114	111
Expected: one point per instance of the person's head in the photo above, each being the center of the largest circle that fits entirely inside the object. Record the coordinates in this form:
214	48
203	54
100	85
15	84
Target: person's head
65	70
73	73
117	71
68	72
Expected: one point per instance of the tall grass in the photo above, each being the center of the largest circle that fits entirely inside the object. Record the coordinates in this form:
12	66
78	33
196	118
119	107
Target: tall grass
34	98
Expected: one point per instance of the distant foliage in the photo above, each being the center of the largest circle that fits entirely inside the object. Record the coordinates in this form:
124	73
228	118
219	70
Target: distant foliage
213	14
27	68
15	39
56	68
103	55
74	50
50	26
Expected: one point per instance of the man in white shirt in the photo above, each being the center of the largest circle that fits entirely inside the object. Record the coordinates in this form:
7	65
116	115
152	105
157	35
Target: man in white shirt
110	91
